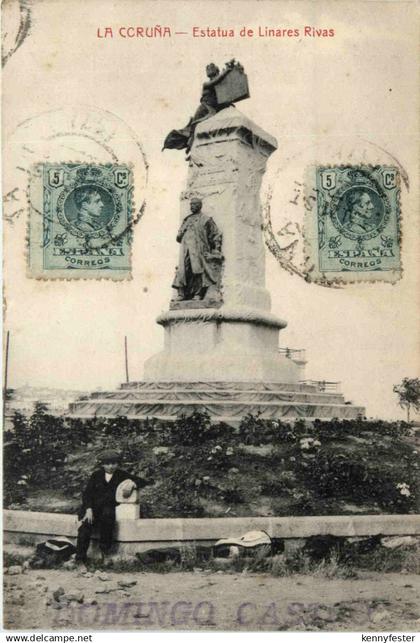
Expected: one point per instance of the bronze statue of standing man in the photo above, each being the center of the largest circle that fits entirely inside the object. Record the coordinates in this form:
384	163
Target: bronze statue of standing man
200	257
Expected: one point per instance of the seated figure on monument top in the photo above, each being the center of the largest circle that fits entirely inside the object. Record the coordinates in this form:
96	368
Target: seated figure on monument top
222	89
198	275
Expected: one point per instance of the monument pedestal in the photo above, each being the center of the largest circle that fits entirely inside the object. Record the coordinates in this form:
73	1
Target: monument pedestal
224	345
221	355
237	340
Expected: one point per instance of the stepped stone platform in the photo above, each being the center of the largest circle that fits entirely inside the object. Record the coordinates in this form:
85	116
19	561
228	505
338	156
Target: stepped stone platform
223	401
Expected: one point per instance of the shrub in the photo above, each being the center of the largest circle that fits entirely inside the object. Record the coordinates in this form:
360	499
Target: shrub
204	468
35	448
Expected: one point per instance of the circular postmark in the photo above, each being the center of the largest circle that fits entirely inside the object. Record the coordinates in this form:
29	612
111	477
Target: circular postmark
79	135
16	25
291	197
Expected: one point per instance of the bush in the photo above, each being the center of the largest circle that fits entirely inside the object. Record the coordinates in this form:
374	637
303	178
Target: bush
203	468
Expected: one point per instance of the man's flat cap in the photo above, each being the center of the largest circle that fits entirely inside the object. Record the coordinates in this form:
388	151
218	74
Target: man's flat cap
110	456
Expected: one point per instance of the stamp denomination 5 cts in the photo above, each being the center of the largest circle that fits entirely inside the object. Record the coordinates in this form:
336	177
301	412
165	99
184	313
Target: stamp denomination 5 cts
80	221
352	232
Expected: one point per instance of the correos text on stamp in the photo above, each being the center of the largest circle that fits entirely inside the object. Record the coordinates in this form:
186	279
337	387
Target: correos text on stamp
80	220
352	230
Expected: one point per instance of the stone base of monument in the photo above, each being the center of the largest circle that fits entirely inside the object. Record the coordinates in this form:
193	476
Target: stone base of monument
228	402
228	344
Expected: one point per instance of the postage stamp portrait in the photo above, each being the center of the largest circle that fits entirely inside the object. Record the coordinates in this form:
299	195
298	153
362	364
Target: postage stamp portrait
80	221
353	228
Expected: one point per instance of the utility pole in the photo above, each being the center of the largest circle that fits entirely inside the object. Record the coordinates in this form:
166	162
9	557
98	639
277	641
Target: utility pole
127	379
6	373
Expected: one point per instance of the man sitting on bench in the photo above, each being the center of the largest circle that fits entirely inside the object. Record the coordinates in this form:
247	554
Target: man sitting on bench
99	503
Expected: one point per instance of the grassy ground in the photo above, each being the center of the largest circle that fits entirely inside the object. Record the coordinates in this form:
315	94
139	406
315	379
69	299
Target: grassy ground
342	559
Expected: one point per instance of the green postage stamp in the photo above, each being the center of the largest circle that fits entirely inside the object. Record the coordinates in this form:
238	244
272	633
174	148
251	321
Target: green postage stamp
352	229
80	221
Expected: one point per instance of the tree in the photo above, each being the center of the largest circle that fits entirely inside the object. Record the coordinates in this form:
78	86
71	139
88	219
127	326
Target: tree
408	394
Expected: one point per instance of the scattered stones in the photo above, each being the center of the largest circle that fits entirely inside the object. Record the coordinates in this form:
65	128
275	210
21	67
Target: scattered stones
106	589
326	614
15	598
40	578
101	575
127	583
91	601
70	565
77	596
14	570
380	615
57	593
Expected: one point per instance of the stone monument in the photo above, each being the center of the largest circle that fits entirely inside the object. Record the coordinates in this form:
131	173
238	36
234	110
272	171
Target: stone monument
221	349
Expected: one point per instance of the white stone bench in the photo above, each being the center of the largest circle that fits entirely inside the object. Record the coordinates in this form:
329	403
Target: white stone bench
136	535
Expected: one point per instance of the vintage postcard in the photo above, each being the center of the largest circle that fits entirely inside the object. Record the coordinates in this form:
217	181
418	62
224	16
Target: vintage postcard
211	292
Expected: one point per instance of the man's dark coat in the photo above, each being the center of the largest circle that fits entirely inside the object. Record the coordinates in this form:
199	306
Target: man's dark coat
100	493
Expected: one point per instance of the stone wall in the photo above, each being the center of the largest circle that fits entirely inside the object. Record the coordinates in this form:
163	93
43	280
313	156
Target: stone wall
26	527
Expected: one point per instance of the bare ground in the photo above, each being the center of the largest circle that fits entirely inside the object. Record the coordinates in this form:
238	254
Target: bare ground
202	600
